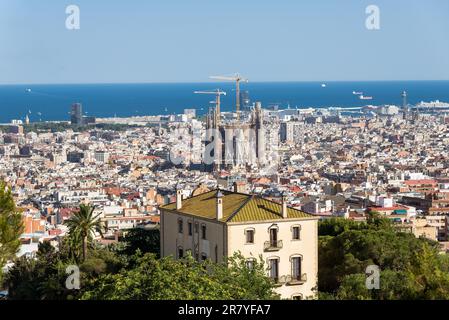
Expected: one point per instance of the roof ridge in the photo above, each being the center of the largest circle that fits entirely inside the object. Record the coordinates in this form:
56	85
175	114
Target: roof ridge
191	197
250	197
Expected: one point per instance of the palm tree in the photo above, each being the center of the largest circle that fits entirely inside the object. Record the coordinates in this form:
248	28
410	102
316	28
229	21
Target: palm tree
83	225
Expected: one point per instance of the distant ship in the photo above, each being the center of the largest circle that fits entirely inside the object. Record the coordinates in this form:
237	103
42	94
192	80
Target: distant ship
357	93
362	97
323	85
28	90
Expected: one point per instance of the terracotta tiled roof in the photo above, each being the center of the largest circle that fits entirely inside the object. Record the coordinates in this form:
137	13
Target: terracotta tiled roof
420	181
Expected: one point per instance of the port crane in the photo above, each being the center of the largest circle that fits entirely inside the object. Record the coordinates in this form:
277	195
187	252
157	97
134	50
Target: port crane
237	78
217	93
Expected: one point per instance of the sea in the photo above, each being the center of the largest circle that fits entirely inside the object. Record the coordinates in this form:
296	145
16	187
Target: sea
51	102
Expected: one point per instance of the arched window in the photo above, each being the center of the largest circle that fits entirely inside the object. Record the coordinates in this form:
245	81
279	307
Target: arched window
296	232
297	296
190	227
203	231
203	256
296	267
180	252
273	268
249	235
250	262
273	230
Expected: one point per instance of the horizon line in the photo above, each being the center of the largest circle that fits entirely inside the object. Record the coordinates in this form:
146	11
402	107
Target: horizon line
210	82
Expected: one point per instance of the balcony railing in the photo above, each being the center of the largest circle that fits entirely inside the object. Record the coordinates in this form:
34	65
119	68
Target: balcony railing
290	280
297	279
273	245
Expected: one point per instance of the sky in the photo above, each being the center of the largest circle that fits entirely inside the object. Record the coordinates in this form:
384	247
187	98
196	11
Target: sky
189	40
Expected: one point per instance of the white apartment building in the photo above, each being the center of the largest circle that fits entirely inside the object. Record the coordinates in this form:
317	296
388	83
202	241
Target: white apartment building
290	131
215	224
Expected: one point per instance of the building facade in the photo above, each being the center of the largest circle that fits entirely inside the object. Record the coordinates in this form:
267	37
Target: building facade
216	224
76	115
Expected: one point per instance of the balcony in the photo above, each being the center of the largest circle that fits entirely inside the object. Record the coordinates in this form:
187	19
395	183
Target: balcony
296	280
272	245
290	280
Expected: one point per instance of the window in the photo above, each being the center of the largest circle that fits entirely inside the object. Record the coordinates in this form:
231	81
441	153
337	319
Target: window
274	269
296	268
273	237
197	227
180	226
249	235
180	252
203	256
297	296
203	231
190	228
250	263
296	232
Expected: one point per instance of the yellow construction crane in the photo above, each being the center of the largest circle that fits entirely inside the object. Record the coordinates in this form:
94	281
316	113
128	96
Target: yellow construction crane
237	78
217	93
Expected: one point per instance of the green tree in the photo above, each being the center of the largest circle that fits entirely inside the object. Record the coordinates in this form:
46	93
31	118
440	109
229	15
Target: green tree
11	226
186	279
40	278
82	227
143	240
411	268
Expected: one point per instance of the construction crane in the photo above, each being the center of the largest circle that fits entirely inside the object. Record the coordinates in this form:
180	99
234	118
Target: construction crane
237	78
217	93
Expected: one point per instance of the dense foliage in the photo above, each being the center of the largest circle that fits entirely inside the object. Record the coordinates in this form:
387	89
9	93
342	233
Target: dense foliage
410	267
11	227
143	240
131	269
82	228
169	279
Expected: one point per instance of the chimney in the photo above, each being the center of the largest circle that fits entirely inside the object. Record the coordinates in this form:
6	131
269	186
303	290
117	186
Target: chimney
178	199
219	205
284	206
239	187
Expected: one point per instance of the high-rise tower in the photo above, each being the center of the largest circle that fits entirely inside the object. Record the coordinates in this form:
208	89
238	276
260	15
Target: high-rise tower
76	114
404	104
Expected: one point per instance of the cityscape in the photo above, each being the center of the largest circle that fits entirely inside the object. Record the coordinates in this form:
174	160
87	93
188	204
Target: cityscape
232	197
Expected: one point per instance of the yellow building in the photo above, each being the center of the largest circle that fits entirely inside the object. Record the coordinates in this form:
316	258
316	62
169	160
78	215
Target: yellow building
215	224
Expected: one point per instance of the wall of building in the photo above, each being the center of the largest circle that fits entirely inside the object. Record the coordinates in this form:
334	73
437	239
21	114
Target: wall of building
307	247
213	246
223	240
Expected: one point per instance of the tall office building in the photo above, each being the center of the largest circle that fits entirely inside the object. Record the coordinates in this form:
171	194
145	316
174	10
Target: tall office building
76	114
291	131
404	105
245	100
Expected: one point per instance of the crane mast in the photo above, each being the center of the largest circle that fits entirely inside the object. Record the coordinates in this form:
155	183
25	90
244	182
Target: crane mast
237	78
217	94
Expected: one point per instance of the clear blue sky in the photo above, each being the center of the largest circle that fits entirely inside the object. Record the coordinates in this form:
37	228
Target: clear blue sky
188	40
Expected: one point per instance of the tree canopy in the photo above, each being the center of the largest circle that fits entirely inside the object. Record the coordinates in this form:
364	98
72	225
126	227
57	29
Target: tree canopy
118	273
11	227
410	267
169	279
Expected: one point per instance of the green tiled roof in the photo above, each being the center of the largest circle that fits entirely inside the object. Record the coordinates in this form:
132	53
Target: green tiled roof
237	207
